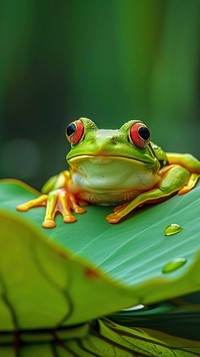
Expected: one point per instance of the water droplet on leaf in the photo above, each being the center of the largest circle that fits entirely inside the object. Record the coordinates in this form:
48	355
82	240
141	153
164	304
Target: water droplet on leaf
172	229
174	265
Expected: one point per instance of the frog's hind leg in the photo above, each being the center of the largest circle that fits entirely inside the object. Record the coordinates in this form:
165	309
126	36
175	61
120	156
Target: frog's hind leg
173	179
191	164
191	183
185	160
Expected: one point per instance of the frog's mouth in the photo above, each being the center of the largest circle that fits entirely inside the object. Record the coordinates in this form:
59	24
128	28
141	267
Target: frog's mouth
149	162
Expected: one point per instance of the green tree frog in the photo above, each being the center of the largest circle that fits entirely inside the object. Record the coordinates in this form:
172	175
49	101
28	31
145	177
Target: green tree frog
121	167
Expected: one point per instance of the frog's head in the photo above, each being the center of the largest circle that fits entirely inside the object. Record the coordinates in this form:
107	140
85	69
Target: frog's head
131	141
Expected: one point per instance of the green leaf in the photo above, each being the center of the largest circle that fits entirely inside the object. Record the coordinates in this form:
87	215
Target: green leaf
37	276
111	339
50	279
133	252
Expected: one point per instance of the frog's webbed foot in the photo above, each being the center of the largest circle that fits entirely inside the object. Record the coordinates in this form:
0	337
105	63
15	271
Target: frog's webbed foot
59	200
114	217
37	202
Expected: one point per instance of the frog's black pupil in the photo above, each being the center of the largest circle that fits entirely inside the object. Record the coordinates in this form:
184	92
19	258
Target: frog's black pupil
144	132
71	129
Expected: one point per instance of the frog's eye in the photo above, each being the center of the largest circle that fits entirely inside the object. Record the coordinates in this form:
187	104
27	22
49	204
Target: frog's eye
74	132
140	135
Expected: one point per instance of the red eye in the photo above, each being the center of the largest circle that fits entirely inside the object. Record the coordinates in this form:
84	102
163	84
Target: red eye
140	135
74	132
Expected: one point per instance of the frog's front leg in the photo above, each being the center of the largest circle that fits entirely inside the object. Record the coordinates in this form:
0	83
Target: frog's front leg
172	179
57	198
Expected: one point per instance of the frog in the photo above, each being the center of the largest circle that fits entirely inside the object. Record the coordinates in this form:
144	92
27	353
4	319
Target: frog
116	167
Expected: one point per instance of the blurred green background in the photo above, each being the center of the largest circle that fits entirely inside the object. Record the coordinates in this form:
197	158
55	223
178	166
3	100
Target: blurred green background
108	60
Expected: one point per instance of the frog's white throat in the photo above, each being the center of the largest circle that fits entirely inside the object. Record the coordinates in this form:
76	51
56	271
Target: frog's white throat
110	180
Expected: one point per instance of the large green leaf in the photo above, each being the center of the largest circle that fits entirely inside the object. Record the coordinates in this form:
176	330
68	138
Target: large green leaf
134	251
49	279
37	276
